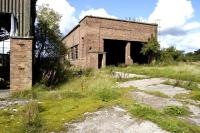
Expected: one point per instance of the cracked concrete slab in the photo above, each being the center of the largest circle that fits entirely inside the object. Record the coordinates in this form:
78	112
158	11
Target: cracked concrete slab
155	84
195	114
143	83
166	89
128	75
113	120
160	103
154	101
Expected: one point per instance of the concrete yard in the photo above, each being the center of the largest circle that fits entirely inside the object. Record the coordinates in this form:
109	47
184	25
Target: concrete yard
113	120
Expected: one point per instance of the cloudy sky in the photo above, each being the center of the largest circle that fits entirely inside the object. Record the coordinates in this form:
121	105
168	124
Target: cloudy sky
179	20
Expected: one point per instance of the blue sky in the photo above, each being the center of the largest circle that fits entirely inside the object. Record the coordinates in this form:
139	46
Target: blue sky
179	20
129	8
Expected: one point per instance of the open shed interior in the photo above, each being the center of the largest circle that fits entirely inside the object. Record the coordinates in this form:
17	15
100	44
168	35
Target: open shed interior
115	52
136	54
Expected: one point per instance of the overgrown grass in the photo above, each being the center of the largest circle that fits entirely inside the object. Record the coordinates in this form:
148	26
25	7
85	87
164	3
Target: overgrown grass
128	79
11	121
189	85
31	119
176	111
67	102
164	120
181	71
71	100
157	93
195	95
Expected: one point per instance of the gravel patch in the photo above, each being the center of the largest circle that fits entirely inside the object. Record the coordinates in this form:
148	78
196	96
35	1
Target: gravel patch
4	94
112	120
13	102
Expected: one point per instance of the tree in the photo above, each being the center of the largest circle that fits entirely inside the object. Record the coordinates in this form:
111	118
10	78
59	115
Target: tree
151	49
48	48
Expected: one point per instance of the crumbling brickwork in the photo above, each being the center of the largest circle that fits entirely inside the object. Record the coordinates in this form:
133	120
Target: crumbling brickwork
91	32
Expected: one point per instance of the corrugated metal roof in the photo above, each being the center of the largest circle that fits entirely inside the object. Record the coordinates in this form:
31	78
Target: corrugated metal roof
22	11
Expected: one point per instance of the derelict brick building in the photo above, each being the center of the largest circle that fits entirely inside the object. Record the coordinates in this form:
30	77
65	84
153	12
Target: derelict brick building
97	42
16	25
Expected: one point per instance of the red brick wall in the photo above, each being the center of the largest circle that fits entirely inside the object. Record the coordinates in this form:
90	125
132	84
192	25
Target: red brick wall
92	31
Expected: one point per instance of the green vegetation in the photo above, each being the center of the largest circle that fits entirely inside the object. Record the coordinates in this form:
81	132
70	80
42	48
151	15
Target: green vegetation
50	68
151	49
195	95
49	110
184	84
193	86
170	55
129	79
11	121
31	119
157	93
176	111
180	71
67	102
193	56
166	121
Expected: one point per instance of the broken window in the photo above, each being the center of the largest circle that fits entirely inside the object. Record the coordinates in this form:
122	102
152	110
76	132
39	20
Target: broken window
74	52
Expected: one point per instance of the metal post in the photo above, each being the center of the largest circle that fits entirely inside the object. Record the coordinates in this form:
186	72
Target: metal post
3	55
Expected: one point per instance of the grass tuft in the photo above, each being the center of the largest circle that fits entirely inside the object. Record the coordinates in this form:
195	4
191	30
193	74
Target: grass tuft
107	94
175	111
32	121
157	93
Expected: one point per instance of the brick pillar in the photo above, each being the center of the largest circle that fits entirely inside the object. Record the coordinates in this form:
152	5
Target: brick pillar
128	60
104	60
20	64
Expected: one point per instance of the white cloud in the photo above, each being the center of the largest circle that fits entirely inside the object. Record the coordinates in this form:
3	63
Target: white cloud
95	12
175	28
67	12
192	26
172	13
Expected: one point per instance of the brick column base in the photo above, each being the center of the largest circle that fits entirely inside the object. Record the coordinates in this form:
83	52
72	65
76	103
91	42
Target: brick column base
128	59
20	64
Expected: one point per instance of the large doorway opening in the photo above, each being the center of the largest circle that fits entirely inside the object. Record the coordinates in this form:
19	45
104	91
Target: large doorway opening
136	54
6	29
115	52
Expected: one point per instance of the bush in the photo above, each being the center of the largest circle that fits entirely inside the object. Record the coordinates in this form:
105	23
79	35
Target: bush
56	74
170	55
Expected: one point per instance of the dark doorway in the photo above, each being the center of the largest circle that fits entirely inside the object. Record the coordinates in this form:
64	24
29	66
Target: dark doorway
100	59
115	52
4	65
136	54
5	29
